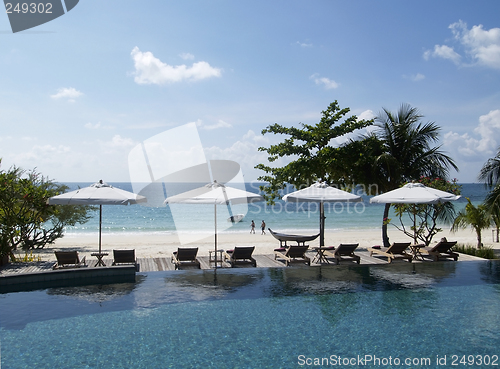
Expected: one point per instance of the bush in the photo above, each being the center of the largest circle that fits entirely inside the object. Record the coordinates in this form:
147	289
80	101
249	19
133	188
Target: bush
484	252
26	221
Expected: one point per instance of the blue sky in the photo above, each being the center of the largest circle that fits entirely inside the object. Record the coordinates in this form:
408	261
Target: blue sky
78	93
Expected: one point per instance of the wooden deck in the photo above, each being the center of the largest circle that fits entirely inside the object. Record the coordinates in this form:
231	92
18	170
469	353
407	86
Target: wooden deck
165	264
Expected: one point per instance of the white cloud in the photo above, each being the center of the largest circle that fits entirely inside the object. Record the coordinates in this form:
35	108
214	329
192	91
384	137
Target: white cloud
304	44
219	124
151	70
244	152
119	141
117	146
93	126
444	52
486	142
67	93
480	46
187	56
98	125
198	122
43	153
328	83
148	125
417	77
367	114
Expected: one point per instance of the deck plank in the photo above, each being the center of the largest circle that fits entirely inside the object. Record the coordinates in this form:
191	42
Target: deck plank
267	261
164	263
204	262
158	264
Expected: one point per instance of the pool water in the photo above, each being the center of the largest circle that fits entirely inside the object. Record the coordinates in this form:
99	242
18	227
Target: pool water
263	318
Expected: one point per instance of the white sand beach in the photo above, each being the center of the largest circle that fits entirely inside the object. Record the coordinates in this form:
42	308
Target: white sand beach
162	245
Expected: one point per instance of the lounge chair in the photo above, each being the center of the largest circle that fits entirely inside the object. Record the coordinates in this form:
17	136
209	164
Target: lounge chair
442	250
124	257
240	255
396	251
345	251
68	259
291	253
185	256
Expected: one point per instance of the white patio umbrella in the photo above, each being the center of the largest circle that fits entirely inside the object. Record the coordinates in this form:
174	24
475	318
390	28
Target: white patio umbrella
217	194
414	193
99	193
321	192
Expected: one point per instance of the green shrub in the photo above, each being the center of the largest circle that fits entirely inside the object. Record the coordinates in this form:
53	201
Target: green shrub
484	252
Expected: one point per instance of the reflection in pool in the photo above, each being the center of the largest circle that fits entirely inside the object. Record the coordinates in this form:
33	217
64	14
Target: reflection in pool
252	318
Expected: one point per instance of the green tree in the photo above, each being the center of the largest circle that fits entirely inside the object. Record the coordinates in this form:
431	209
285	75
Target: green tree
490	175
495	219
315	156
26	221
428	215
408	152
474	216
490	172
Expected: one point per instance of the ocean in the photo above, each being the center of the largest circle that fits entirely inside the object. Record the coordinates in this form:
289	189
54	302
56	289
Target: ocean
282	217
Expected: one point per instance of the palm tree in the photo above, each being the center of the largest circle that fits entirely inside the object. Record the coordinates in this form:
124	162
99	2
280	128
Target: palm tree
495	219
475	217
490	172
408	152
490	175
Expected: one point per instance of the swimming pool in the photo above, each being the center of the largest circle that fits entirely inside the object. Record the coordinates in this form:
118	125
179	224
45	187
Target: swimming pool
263	318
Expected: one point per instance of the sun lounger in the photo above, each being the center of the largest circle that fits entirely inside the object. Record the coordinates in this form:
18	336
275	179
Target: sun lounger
283	238
442	250
185	256
124	257
240	255
396	251
345	251
292	253
68	259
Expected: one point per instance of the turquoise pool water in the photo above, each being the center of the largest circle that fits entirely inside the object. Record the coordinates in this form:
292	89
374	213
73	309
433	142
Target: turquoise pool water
263	318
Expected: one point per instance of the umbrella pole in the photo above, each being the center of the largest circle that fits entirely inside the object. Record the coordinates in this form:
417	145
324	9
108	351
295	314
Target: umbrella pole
414	225
321	224
215	217
100	226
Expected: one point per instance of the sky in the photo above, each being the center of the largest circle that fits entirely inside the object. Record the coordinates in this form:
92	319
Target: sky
78	93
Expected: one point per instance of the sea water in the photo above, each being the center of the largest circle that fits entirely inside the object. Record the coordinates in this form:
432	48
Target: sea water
282	216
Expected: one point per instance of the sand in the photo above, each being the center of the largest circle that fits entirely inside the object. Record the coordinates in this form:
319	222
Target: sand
162	245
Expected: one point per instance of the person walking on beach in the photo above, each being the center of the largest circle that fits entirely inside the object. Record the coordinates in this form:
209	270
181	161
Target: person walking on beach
252	229
263	226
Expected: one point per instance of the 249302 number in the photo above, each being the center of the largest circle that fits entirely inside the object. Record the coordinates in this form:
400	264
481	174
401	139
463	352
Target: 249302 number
29	7
474	360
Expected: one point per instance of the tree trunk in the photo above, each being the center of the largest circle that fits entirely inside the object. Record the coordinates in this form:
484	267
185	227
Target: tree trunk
385	237
4	259
497	232
479	243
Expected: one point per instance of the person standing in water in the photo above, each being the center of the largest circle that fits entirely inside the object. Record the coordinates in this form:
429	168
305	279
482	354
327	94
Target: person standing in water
263	226
252	227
